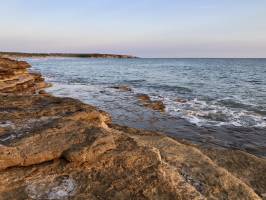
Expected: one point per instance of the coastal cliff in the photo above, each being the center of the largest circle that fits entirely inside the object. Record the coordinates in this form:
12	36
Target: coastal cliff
61	148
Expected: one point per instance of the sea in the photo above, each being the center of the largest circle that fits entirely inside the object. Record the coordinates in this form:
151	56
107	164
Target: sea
218	102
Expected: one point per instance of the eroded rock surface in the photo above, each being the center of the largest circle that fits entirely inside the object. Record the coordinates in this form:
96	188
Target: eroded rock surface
15	78
60	148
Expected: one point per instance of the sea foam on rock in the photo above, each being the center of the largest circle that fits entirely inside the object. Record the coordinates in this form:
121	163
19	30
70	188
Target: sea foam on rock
62	148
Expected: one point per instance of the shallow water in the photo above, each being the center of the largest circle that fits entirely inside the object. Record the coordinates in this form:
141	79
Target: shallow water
223	100
218	91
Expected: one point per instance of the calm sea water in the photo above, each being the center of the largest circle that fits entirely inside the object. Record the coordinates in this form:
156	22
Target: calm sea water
224	100
218	92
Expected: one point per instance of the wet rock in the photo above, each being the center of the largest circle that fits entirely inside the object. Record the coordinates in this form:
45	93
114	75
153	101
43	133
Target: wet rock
147	102
143	97
156	105
181	100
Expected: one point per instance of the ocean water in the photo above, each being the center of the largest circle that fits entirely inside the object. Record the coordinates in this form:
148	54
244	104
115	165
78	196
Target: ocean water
216	92
223	100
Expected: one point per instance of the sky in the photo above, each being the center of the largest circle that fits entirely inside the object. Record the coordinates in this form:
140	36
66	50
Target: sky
145	28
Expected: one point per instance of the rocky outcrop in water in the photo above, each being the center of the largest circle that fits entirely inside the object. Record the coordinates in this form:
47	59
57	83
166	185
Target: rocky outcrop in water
122	88
147	102
60	148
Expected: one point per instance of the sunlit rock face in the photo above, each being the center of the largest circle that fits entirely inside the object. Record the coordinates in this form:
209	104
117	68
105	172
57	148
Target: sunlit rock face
15	78
61	148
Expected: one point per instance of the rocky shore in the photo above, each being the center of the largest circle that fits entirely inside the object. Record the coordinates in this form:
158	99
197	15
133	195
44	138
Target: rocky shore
61	148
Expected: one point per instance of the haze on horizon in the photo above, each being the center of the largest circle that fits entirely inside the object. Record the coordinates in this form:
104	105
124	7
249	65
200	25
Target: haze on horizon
145	28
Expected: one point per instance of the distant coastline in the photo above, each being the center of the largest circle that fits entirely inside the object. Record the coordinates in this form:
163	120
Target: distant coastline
71	55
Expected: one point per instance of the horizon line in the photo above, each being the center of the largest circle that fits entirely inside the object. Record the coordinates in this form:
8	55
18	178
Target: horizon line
121	54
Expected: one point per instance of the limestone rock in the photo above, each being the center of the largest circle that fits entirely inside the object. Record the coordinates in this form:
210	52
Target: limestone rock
15	78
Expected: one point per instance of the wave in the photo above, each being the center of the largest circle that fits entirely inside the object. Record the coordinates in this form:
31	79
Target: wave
238	104
170	88
134	82
204	113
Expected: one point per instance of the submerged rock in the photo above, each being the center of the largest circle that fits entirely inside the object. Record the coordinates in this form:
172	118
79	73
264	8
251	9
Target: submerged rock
181	100
156	105
60	148
147	102
123	88
143	97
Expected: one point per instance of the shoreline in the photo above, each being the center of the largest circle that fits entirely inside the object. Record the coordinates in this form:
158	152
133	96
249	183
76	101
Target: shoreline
145	115
59	55
52	146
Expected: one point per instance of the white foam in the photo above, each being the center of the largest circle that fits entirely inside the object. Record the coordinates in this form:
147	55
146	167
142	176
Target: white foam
196	111
201	113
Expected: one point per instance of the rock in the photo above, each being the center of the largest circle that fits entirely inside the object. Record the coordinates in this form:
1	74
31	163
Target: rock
250	169
61	148
147	102
180	100
15	78
123	88
143	97
156	105
43	92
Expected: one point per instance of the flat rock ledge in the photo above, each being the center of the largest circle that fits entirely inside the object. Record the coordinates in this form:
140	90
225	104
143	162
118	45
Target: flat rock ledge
60	148
15	78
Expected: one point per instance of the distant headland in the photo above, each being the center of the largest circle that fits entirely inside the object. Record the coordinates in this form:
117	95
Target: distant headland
72	55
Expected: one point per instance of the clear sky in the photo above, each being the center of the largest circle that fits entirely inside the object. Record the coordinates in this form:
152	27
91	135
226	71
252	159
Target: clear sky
146	28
